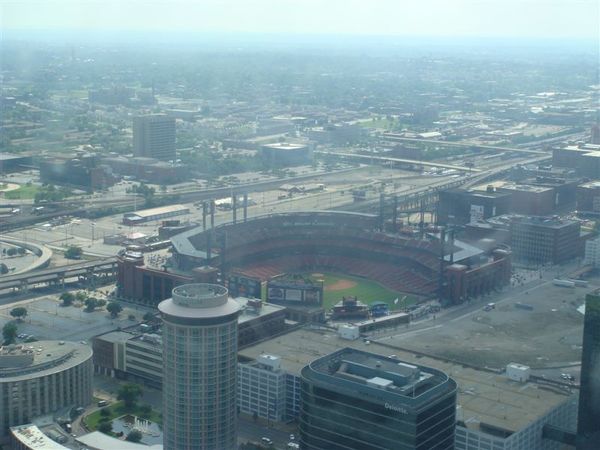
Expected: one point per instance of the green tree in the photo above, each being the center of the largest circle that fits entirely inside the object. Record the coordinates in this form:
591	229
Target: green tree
90	304
145	411
149	317
129	393
9	333
114	308
134	436
81	296
12	251
73	252
67	298
105	412
105	427
100	303
18	313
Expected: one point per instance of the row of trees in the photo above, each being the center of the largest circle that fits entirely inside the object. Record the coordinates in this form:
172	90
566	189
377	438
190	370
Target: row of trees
9	330
91	303
12	251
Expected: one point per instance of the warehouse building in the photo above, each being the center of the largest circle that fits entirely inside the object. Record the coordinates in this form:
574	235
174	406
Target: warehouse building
148	215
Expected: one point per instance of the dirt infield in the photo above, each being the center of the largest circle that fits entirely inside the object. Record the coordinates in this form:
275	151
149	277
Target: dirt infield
341	285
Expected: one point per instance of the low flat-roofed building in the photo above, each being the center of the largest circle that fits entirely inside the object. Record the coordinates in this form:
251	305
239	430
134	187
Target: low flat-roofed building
286	154
100	441
493	412
460	206
147	215
137	355
30	437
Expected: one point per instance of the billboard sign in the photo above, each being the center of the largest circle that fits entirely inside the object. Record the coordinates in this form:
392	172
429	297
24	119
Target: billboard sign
289	293
243	286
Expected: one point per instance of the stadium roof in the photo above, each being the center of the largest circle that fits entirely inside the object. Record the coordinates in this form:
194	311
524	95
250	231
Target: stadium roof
182	244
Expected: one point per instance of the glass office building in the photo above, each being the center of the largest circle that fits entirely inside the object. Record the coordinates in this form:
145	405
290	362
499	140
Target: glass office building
200	337
353	399
588	426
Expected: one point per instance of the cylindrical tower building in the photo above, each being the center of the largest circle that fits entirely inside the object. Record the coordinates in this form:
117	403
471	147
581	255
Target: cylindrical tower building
199	368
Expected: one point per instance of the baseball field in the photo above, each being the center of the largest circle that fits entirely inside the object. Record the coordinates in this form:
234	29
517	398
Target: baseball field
337	286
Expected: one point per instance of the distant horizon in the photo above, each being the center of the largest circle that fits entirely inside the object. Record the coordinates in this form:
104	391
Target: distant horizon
520	19
189	37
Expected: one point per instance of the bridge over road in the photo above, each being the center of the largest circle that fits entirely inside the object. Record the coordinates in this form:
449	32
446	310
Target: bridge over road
87	272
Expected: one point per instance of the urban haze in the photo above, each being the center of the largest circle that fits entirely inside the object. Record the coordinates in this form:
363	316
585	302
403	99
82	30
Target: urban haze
297	224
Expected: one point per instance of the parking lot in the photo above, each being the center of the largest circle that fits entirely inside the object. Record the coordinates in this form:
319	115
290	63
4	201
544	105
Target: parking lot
47	319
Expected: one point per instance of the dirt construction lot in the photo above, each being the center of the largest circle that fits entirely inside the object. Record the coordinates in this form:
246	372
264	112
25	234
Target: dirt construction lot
547	336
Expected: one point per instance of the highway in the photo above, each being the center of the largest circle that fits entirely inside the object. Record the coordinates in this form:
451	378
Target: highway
57	274
367	158
394	137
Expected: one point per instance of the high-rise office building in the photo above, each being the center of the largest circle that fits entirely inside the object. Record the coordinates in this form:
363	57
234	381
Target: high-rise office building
154	136
588	422
200	368
353	399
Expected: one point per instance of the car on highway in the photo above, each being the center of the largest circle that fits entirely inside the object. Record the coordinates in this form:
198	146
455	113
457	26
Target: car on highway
266	441
567	376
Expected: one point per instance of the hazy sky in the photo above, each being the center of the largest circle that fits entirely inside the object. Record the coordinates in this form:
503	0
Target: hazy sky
496	18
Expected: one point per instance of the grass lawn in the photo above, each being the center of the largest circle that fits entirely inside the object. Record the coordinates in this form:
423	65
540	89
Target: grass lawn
367	291
24	192
117	410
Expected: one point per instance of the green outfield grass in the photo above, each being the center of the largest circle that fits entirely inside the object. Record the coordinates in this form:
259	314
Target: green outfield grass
366	291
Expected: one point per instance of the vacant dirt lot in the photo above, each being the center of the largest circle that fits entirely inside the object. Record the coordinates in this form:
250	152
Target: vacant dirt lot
549	335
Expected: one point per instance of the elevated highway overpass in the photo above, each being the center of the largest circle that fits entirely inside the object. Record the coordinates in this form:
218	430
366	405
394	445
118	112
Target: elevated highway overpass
88	272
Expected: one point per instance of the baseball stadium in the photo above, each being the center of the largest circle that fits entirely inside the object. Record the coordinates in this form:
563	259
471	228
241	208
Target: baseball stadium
345	251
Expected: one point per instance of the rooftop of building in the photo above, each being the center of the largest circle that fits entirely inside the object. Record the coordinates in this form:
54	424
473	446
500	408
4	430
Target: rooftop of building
41	358
525	188
480	191
32	438
101	441
155	211
376	372
545	221
10	156
199	301
484	396
248	311
595	184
